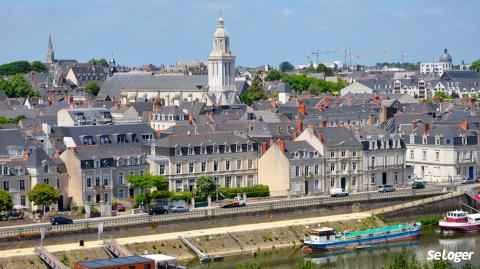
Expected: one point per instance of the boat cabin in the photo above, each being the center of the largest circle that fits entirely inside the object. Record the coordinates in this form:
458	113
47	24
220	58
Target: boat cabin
323	234
457	216
474	218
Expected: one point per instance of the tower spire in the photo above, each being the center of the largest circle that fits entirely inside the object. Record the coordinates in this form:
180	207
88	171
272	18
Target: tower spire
50	53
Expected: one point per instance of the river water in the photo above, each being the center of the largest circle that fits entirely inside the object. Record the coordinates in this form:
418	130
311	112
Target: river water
371	258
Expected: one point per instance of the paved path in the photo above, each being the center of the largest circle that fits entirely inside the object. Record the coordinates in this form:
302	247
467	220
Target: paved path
193	233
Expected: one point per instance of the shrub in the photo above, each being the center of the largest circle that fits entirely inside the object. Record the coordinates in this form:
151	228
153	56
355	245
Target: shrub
251	191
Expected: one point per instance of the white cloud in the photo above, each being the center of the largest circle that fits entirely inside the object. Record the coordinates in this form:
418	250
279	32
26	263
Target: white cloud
286	12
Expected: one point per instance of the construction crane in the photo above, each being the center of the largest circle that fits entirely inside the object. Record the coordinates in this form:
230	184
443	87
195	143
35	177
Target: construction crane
317	53
384	51
345	51
402	55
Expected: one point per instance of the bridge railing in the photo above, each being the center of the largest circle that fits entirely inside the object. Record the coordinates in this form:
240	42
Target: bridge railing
92	224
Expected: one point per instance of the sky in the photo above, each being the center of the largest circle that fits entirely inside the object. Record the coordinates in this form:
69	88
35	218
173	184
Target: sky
138	32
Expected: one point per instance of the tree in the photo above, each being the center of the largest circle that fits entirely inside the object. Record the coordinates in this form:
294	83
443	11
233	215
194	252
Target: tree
273	75
206	186
17	86
442	95
321	68
286	66
146	183
103	62
475	65
43	194
16	120
254	92
38	66
6	203
93	88
13	68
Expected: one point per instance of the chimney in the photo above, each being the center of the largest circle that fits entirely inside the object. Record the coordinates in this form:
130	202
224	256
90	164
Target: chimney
26	154
426	127
157	133
414	125
149	116
190	118
301	108
324	123
320	137
383	115
57	153
281	145
372	120
264	148
299	126
472	103
273	103
464	125
294	136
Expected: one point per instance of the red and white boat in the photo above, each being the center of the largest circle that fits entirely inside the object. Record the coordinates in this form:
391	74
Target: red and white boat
460	221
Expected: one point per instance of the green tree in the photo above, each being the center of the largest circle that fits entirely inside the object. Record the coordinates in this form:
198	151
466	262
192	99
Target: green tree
273	75
286	66
321	68
475	65
6	203
38	66
16	120
103	62
13	68
146	184
17	86
93	88
442	95
254	92
206	186
43	194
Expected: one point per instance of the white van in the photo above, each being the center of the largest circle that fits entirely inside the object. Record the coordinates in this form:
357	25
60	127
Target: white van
335	192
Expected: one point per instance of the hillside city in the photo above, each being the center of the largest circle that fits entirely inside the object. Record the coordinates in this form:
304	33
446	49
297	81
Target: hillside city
87	144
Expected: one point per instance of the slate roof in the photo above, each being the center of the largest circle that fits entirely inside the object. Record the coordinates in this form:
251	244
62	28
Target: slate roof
37	156
338	136
297	146
107	151
10	137
216	138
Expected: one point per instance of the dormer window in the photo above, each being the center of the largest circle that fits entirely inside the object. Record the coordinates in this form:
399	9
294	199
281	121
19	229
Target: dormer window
6	171
464	140
45	168
343	153
228	149
190	151
96	163
88	140
178	152
424	140
296	155
152	150
412	139
122	139
437	140
249	147
239	148
203	150
216	150
104	139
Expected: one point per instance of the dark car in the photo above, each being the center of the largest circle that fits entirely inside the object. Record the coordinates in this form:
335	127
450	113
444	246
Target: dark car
59	220
178	209
118	207
418	185
157	210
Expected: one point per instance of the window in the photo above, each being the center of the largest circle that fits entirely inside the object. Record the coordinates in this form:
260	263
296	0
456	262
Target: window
23	200
104	139
6	171
215	165
306	170
239	181
459	171
354	153
250	163
332	154
120	179
6	185
437	141
372	179
424	140
239	148
249	147
354	166
343	153
97	181
161	169
297	171
88	182
464	140
373	161
239	164
215	149
332	167
120	193
332	182
203	150
22	184
412	154
354	181
178	152
45	169
316	169
448	141
343	166
227	181
396	176
105	197
190	151
228	149
437	155
204	166
424	154
227	165
46	181
179	168
191	167
250	180
122	139
89	198
88	140
105	181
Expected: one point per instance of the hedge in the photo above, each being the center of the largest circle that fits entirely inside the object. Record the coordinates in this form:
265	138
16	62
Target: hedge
252	191
158	194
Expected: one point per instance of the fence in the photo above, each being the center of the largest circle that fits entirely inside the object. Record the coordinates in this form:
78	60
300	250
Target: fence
92	224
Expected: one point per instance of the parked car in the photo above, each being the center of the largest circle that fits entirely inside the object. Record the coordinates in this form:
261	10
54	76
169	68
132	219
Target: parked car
157	210
386	188
336	192
118	207
235	203
58	220
468	181
12	215
418	185
178	209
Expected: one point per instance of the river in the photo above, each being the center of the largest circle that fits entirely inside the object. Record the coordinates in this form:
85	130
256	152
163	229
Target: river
371	258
